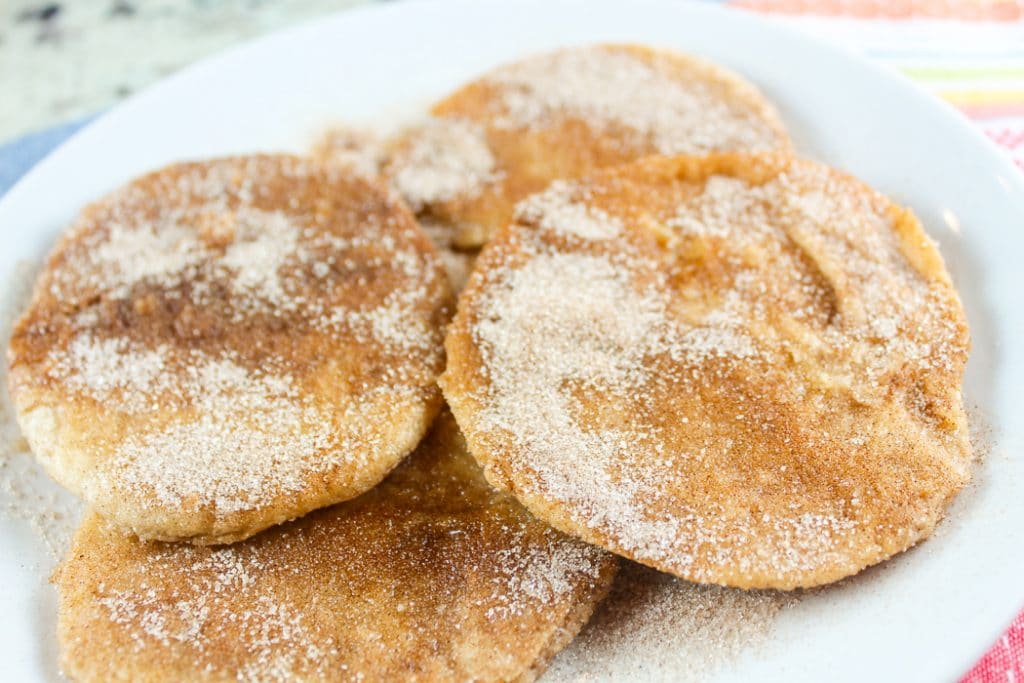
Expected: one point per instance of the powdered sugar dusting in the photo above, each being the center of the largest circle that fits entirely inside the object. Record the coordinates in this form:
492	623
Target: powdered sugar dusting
263	257
441	159
392	323
748	312
359	149
99	368
265	445
645	97
658	628
541	574
207	232
128	255
279	641
246	437
462	583
878	294
594	329
192	305
713	213
557	210
262	244
252	436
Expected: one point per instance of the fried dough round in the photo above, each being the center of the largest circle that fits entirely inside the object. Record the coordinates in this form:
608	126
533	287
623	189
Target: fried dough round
433	575
564	114
364	152
739	369
221	346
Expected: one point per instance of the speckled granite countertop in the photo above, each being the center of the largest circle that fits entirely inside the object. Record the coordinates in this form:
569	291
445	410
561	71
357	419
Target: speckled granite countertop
61	60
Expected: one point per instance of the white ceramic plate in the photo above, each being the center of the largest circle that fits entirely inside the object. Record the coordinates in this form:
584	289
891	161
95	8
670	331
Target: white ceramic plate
925	616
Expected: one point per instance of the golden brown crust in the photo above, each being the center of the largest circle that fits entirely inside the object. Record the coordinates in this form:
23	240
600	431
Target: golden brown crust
432	575
562	115
739	369
362	151
221	346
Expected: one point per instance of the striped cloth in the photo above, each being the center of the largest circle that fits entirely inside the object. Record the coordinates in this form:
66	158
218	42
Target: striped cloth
971	54
968	52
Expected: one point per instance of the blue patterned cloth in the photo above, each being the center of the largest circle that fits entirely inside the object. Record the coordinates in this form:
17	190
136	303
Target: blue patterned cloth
18	156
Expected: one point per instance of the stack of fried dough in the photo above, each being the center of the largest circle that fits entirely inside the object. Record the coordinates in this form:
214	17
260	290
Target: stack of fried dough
674	341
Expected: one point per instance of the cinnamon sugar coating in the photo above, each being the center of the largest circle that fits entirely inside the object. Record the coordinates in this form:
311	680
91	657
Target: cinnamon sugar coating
221	346
739	369
431	576
564	114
